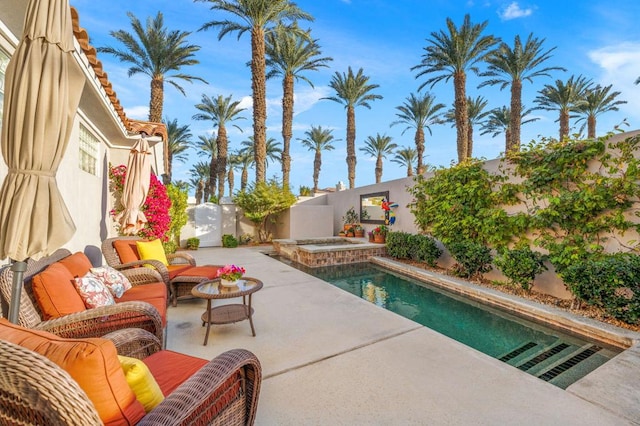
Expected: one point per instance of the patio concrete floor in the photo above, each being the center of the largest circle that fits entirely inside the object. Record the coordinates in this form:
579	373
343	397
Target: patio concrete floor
331	358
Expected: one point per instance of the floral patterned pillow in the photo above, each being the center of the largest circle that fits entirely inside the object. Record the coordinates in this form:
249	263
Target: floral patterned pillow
93	292
116	281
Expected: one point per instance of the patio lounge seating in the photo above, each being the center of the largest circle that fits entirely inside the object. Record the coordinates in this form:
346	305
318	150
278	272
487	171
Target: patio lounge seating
181	275
143	306
48	380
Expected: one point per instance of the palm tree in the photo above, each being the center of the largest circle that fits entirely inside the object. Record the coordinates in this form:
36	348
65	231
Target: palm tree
258	17
220	111
379	147
406	157
509	66
352	91
564	98
200	174
499	121
158	53
318	139
450	55
289	55
419	113
245	160
233	164
207	146
597	101
272	150
475	115
179	140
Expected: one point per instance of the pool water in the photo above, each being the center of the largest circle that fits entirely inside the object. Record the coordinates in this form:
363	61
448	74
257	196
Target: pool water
549	354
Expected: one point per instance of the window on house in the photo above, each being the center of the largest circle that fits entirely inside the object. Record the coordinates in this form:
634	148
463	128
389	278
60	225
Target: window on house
4	61
89	148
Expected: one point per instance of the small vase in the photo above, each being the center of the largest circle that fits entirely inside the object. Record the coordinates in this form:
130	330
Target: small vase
228	283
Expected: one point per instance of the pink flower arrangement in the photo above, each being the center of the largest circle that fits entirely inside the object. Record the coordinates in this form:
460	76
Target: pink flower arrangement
230	272
155	208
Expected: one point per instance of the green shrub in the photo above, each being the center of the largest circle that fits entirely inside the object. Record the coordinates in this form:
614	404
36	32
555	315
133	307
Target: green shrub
424	249
610	282
170	247
244	239
520	265
473	258
229	241
193	243
398	245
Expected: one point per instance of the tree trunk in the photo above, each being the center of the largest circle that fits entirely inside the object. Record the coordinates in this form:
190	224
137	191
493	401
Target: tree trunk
156	103
591	126
351	145
419	139
213	173
231	179
461	113
199	192
258	87
379	169
244	178
507	141
470	141
409	170
317	163
222	143
564	124
287	124
516	116
168	171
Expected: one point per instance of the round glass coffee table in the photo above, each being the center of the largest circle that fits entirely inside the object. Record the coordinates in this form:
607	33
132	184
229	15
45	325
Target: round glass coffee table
227	314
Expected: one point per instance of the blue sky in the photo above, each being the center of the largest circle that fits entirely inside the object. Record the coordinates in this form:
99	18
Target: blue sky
600	40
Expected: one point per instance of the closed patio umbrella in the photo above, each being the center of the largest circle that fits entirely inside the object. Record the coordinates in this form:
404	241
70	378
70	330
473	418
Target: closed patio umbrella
136	188
42	91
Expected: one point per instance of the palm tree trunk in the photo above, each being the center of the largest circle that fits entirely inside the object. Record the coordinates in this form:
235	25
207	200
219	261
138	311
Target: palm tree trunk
462	114
419	139
222	143
258	87
168	171
591	127
287	124
470	141
317	163
564	124
244	178
213	173
516	116
155	112
379	169
199	192
409	170
507	141
351	145
231	180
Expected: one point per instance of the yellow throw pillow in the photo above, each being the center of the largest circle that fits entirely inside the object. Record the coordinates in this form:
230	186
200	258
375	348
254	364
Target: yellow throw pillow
141	382
152	250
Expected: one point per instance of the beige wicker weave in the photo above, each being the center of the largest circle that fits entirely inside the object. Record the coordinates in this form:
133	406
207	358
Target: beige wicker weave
35	391
179	286
94	322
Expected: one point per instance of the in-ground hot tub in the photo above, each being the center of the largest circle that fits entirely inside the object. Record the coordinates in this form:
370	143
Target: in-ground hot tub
328	251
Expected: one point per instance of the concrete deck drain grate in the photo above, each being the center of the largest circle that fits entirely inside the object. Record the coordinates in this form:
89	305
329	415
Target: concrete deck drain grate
571	362
545	355
522	349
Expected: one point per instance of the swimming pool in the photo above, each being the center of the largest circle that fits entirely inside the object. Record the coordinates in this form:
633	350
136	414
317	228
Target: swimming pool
555	356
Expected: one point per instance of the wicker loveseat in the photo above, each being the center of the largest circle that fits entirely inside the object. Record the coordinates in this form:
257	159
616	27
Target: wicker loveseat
143	307
181	275
48	380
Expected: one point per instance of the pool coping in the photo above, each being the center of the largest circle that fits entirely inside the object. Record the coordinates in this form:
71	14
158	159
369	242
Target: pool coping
553	316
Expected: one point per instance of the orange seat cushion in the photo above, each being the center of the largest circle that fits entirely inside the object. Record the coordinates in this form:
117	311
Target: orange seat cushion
78	264
93	363
179	269
171	368
55	292
154	293
127	250
205	271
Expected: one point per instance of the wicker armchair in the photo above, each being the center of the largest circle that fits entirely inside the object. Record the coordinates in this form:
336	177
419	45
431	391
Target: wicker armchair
35	391
180	284
94	322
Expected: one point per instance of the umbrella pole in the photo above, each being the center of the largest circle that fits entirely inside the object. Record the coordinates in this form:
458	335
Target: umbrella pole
18	268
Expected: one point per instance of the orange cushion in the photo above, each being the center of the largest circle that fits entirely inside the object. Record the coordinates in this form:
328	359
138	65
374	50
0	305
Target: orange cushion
206	271
127	250
154	293
170	368
93	363
175	270
55	292
78	264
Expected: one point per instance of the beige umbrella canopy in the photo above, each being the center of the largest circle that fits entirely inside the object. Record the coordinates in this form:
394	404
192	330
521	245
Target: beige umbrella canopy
42	91
136	188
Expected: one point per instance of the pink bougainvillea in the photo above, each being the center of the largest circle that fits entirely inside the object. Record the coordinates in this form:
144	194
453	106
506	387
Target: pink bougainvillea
155	208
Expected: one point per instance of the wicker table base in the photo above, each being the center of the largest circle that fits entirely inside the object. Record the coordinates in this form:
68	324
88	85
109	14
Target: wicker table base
227	314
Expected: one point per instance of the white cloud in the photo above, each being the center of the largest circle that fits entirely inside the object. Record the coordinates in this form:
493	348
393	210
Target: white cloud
514	11
140	112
